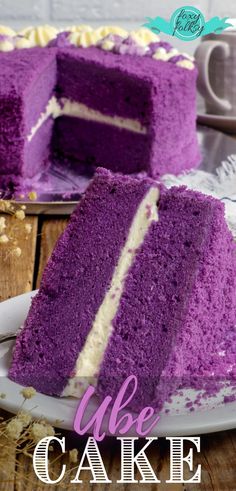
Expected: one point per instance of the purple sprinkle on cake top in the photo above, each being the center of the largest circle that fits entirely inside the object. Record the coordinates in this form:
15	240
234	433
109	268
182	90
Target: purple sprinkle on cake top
4	37
128	46
176	58
61	41
153	47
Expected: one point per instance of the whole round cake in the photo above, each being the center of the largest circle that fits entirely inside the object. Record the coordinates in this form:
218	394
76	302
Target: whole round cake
88	98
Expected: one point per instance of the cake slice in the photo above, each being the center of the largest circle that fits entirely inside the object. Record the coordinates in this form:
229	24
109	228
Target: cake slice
141	282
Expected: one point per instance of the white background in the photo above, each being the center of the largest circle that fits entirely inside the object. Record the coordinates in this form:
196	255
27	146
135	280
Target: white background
128	13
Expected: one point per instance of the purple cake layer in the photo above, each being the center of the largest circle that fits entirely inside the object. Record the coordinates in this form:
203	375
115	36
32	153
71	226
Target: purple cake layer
182	291
199	355
177	305
37	151
27	80
160	95
75	282
113	84
97	144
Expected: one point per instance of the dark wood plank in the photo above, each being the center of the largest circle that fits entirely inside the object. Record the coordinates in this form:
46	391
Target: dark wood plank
50	232
218	460
16	273
16	277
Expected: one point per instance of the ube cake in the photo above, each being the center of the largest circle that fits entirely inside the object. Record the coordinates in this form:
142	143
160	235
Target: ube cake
141	282
89	98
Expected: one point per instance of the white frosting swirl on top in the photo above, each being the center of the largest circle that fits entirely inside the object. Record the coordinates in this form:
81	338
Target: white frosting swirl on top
162	54
84	39
144	36
6	45
23	43
91	37
79	28
186	64
7	31
107	45
142	42
40	35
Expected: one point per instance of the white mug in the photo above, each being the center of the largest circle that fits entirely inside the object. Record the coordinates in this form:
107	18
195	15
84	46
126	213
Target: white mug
216	62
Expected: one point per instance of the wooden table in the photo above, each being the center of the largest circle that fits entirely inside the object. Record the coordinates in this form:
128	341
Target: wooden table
218	451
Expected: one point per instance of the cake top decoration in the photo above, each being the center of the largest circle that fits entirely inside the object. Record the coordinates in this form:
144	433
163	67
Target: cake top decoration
141	42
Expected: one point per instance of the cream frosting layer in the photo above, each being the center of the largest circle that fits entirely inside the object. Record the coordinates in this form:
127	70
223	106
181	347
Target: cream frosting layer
66	107
40	35
78	110
7	31
108	38
90	358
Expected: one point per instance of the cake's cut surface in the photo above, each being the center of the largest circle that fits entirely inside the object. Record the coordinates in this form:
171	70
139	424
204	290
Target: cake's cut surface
141	96
76	280
141	282
63	101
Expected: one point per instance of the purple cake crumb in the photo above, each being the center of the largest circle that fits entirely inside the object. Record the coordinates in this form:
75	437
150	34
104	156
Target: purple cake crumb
189	404
230	398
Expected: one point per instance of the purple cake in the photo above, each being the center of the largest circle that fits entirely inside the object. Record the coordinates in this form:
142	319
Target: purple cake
98	99
141	282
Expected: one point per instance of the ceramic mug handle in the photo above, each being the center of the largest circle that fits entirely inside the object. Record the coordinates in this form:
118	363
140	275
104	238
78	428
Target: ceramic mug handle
202	56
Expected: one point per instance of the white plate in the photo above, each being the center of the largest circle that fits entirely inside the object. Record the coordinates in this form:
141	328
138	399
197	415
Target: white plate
214	415
220	122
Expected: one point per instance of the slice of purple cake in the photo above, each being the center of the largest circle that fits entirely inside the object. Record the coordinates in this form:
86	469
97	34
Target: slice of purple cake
141	282
27	81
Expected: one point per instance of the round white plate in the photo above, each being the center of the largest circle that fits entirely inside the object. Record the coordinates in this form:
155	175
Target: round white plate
220	122
213	415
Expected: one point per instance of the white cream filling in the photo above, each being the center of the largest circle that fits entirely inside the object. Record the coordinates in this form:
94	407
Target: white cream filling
52	109
66	107
90	358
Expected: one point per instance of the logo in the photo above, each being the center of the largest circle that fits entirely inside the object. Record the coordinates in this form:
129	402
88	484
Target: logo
119	420
187	24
